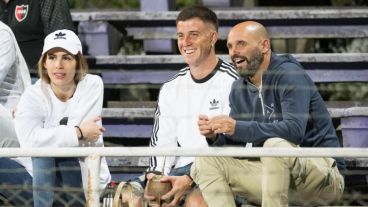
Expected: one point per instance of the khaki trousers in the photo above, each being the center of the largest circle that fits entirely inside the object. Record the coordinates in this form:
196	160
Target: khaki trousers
272	181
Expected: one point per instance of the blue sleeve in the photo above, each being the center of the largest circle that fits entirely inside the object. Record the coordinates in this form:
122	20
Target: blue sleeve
294	93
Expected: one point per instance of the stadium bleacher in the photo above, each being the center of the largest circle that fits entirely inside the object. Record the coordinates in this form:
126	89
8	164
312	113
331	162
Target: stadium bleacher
129	123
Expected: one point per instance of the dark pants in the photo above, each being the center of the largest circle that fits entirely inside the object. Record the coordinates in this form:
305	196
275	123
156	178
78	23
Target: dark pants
15	183
58	178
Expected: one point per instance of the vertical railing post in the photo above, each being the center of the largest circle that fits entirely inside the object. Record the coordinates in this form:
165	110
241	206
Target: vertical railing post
93	197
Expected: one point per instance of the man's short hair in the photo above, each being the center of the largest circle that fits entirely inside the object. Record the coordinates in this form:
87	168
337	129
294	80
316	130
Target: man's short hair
201	12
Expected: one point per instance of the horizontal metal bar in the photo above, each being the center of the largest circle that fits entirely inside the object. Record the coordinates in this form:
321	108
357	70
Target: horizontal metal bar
178	59
180	151
148	112
256	13
161	76
276	32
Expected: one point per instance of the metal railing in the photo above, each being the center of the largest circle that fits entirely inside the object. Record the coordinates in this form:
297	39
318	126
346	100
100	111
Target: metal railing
94	154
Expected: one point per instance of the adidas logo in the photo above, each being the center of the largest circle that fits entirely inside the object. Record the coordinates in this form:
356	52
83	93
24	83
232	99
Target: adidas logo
214	104
60	35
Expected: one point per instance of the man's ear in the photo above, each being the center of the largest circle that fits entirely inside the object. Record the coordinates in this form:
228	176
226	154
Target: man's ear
213	36
265	45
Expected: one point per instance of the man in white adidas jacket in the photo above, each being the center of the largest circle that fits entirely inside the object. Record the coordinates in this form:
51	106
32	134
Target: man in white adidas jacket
202	87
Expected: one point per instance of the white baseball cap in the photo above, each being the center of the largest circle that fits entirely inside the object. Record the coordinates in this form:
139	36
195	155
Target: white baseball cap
65	39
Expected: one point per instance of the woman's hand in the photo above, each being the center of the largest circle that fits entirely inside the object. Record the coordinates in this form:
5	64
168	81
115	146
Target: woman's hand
90	130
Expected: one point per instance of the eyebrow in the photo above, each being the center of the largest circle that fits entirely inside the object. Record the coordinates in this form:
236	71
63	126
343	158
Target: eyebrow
191	31
53	54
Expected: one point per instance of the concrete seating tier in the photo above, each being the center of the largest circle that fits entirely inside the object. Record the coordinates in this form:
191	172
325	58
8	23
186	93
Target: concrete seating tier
156	69
290	22
102	30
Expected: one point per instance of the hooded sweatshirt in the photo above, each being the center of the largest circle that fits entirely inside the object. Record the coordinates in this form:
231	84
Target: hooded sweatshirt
286	105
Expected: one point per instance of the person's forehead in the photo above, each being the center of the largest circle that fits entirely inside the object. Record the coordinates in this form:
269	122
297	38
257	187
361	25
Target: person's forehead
235	35
241	34
58	50
193	22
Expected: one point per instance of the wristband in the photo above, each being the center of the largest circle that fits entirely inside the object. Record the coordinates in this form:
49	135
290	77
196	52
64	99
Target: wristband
192	183
80	131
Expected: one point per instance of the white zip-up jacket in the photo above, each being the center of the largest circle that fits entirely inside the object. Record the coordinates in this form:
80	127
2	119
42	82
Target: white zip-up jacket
14	78
39	112
182	99
14	73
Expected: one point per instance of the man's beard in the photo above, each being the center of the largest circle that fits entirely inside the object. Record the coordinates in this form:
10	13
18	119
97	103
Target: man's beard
253	64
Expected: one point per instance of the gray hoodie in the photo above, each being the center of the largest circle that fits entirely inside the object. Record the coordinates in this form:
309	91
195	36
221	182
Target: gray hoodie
287	105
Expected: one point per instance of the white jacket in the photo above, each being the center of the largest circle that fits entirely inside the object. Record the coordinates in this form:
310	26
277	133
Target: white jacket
14	78
182	99
14	73
39	112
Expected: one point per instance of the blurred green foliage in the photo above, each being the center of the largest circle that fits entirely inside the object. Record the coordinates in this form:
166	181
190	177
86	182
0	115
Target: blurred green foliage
183	3
124	4
97	4
349	2
134	4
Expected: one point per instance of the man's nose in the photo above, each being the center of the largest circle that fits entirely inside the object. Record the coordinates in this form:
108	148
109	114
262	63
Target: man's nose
187	39
231	51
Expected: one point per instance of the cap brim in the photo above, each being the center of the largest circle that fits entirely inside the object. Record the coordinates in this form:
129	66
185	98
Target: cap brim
72	51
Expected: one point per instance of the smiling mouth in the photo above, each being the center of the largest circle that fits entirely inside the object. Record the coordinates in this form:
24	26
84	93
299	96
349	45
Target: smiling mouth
189	51
238	60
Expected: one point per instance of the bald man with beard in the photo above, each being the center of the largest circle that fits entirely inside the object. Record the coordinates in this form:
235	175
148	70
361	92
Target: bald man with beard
274	104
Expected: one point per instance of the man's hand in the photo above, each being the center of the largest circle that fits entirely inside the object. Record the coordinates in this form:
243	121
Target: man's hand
223	124
180	184
147	197
205	128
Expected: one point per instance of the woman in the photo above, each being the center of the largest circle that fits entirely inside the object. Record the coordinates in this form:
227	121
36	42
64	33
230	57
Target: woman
62	109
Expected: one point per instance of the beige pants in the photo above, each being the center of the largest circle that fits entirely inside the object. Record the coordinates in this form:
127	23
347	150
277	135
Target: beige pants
272	181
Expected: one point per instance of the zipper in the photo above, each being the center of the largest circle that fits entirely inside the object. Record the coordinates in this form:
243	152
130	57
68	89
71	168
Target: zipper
261	98
260	95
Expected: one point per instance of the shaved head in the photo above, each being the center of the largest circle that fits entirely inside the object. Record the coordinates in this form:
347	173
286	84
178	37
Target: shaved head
249	47
252	28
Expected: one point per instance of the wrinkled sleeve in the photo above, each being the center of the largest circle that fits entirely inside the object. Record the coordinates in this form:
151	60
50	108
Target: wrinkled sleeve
164	131
89	103
32	113
7	53
294	92
55	15
29	124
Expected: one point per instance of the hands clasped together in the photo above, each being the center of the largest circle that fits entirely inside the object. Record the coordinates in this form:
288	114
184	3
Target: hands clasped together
90	129
180	185
221	124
